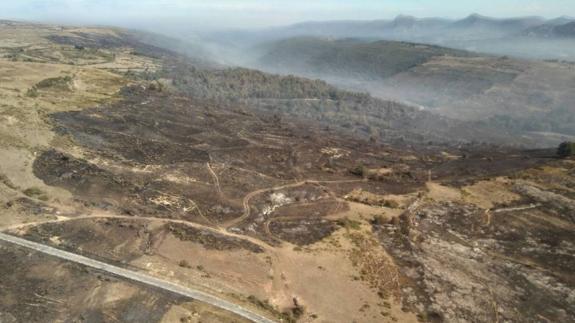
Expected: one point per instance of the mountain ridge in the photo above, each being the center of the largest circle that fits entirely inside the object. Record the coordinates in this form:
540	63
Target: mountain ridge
502	36
455	83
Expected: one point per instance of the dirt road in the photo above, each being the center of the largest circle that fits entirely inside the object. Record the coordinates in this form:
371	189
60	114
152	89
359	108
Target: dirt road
138	218
247	198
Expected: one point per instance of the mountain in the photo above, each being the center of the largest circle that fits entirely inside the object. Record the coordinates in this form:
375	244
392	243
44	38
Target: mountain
139	185
566	30
412	27
556	29
508	24
560	21
410	22
516	95
375	28
500	36
353	58
476	27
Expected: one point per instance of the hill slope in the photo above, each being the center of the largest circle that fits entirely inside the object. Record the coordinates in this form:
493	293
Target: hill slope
554	30
501	36
348	57
234	182
411	28
515	95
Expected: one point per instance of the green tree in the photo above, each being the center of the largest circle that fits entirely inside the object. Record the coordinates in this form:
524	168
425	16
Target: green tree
566	149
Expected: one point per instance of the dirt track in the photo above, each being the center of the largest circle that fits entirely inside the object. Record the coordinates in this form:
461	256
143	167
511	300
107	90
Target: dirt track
127	217
251	195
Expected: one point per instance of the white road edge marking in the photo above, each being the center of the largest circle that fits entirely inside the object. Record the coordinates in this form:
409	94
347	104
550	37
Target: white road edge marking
138	277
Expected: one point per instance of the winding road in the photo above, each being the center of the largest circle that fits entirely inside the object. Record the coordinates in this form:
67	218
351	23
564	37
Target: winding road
247	198
138	277
157	282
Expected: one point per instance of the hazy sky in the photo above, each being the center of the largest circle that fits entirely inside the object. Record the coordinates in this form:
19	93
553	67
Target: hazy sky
259	13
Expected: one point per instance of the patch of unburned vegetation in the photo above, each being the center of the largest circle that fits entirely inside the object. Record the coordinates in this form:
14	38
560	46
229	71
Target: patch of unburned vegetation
290	316
371	199
35	192
211	240
60	83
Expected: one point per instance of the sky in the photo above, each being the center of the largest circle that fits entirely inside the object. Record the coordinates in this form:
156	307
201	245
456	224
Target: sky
222	14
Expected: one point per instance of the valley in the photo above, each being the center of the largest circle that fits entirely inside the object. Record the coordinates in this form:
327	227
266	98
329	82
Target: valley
529	99
287	197
526	37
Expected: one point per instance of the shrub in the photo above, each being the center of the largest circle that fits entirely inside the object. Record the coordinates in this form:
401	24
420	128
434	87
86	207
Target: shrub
157	86
63	83
32	92
379	220
391	204
6	181
566	149
35	192
184	264
358	170
297	311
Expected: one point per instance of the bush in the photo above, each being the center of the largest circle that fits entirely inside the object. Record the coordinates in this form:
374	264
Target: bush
184	264
391	204
566	149
37	193
297	311
358	170
379	220
61	83
32	92
6	181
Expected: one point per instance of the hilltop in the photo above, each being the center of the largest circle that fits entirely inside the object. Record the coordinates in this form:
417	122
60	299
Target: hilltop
348	57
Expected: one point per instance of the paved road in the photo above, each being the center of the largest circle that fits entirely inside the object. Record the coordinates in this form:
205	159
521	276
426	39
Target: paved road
519	208
137	277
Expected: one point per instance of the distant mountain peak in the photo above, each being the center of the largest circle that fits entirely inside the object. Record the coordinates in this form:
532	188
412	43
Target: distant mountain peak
514	24
474	19
566	30
560	20
476	16
410	22
403	21
404	18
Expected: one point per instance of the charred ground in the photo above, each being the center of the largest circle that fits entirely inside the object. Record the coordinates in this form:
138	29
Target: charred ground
282	215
